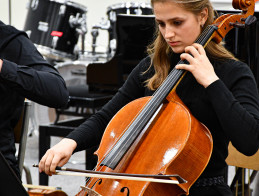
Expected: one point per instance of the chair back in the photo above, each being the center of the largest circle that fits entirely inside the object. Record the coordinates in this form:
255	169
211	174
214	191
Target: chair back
10	183
237	159
21	133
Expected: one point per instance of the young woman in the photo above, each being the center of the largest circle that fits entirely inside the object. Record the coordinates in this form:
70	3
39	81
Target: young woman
219	90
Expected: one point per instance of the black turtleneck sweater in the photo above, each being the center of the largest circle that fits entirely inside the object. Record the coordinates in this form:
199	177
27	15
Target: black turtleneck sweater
229	107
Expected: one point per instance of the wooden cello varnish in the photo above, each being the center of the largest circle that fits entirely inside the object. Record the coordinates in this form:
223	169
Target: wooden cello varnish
184	156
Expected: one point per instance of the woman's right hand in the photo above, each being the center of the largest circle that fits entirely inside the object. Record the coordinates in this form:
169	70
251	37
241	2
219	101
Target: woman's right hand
58	155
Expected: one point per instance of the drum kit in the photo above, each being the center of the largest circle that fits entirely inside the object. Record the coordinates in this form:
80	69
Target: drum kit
56	26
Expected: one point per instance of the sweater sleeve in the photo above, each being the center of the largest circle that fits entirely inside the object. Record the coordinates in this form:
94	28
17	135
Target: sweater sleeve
26	72
236	103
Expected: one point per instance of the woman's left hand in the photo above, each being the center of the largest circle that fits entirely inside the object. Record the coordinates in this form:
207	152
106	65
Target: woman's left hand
199	66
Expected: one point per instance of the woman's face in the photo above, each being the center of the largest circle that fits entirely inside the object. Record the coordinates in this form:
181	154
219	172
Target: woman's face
179	27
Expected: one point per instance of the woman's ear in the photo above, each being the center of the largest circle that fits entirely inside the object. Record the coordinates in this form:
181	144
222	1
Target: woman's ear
203	16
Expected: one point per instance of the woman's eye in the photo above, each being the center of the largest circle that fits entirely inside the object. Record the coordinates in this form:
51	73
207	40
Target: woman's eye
177	23
161	24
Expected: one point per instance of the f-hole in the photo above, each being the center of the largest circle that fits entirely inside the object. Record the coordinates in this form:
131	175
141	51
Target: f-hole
96	182
125	188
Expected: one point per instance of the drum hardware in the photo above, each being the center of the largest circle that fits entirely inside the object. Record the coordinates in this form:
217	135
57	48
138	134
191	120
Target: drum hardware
79	23
129	8
54	26
34	4
103	25
93	56
137	9
43	26
82	44
113	46
62	10
54	41
94	34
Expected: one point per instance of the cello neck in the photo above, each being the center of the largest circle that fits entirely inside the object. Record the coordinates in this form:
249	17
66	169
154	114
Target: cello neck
151	108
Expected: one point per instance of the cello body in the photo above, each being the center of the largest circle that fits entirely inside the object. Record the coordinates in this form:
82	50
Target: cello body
173	143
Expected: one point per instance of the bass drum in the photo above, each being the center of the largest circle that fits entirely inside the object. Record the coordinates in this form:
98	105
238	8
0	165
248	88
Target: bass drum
54	27
73	72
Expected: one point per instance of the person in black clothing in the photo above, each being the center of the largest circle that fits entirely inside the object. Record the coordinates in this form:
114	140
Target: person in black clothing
219	90
23	74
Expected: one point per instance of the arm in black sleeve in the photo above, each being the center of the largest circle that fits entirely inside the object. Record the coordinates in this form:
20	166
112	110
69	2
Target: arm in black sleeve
236	103
25	71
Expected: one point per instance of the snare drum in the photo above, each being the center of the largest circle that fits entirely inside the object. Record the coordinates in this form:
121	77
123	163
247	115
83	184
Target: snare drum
54	27
129	8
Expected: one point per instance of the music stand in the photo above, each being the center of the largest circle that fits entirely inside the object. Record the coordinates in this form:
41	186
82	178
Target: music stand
10	183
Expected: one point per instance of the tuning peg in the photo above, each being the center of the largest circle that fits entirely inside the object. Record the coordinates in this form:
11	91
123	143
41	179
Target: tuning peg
236	24
250	20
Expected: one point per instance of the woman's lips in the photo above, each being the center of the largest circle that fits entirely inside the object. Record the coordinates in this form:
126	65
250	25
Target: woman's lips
174	43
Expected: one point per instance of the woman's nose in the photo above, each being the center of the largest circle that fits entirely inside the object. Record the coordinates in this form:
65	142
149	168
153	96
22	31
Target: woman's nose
169	32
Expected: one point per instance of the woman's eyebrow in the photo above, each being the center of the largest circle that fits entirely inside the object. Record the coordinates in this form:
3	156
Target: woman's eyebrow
174	18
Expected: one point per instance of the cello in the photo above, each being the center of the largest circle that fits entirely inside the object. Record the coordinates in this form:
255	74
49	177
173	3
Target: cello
160	119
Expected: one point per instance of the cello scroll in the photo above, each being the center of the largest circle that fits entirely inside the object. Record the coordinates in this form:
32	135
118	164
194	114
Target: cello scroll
227	22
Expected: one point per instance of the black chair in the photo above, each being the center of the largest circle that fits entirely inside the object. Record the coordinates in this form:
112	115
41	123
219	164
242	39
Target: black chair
243	164
21	134
10	183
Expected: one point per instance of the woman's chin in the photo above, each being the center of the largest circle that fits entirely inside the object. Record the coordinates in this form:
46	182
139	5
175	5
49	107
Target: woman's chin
177	50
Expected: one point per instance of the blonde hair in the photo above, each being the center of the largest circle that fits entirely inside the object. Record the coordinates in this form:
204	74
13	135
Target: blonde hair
160	51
